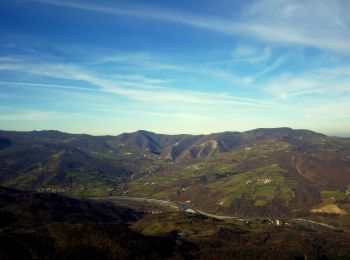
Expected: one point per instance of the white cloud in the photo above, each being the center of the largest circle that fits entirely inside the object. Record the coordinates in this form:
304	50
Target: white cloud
276	64
37	116
149	62
318	23
322	83
250	54
311	23
131	89
52	86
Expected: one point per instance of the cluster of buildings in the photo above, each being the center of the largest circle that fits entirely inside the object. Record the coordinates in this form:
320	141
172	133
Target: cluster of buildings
264	180
277	222
154	211
150	183
60	189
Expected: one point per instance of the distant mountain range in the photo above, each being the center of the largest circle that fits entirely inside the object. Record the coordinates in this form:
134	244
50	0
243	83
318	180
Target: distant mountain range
279	171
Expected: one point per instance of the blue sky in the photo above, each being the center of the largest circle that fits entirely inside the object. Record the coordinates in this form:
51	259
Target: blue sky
194	66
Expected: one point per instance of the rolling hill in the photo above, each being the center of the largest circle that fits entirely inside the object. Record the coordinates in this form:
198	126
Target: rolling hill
262	172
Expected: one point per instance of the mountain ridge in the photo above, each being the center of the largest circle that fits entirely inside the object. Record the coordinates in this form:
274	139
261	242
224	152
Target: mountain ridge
278	170
158	133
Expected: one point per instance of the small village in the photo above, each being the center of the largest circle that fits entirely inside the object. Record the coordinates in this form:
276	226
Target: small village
60	189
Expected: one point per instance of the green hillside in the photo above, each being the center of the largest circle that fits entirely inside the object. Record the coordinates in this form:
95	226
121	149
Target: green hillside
281	171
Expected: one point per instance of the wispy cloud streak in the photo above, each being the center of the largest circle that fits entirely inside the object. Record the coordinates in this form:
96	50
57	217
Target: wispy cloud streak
281	26
158	94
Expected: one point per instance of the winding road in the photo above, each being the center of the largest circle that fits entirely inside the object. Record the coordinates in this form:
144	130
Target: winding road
182	207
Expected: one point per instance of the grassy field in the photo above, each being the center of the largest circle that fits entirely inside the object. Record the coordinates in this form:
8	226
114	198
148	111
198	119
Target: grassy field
331	196
222	179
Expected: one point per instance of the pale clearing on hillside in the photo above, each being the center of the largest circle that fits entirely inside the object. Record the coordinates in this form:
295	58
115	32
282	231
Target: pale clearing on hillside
330	208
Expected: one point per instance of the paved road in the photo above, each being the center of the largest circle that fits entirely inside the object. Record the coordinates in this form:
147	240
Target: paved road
179	206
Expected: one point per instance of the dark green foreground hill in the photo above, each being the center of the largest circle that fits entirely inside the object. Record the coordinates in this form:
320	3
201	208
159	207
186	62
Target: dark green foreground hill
50	226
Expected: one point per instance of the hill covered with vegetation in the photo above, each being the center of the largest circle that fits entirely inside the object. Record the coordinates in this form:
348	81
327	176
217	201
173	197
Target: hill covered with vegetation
263	172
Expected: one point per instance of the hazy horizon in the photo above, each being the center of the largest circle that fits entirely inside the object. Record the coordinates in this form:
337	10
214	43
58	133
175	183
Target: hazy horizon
108	67
169	133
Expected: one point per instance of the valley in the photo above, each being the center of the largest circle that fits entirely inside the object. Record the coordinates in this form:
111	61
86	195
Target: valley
183	196
264	172
46	225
